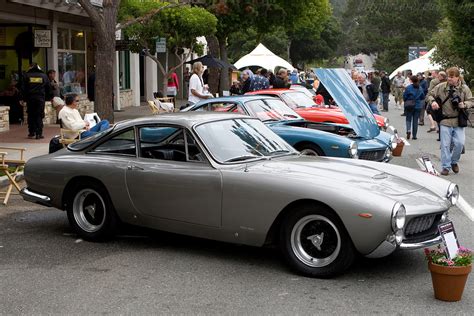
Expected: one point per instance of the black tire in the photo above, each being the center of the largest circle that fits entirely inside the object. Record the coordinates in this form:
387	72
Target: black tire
310	149
322	256
91	213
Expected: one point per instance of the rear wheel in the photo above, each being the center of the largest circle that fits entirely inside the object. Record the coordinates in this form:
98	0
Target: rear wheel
315	242
90	212
310	150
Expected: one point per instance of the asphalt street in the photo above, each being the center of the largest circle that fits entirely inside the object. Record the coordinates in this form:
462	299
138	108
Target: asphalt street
46	269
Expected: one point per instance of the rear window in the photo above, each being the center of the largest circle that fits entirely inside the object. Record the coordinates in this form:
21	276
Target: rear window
86	142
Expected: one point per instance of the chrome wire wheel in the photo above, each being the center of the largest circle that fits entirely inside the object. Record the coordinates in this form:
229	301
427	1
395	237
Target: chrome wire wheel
315	241
309	152
89	210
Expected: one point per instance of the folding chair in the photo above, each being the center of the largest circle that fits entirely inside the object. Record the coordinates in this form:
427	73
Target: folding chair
6	164
64	133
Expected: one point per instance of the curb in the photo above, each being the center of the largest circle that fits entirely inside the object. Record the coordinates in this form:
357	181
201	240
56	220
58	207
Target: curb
4	181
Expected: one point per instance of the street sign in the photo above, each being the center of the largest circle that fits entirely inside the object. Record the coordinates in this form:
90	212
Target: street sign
161	45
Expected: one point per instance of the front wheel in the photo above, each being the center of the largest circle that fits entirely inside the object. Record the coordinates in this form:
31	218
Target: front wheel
310	150
90	212
315	242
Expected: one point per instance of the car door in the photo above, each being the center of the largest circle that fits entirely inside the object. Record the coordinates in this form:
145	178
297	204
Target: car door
172	178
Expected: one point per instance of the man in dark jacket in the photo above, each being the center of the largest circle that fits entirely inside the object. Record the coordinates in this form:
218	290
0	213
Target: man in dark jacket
385	87
281	80
36	87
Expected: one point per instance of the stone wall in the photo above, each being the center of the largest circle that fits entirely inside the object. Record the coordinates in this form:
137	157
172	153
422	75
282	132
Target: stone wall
126	98
4	120
50	115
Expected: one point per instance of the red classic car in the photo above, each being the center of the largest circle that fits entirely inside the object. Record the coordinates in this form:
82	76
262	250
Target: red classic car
309	110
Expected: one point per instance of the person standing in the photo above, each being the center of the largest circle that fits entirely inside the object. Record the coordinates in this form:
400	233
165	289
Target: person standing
196	85
440	78
36	87
375	80
260	81
186	76
173	86
385	89
398	88
414	100
424	86
451	97
247	80
281	80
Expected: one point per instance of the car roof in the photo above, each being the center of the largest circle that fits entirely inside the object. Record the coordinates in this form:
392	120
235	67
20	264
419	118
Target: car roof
186	119
269	91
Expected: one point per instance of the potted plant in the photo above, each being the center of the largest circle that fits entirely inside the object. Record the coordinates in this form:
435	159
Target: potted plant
449	275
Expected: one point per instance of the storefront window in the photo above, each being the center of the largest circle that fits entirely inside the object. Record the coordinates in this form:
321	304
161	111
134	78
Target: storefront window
63	38
124	70
72	61
77	40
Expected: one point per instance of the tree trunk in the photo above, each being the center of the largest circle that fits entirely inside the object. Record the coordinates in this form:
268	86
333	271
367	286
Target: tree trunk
213	46
224	78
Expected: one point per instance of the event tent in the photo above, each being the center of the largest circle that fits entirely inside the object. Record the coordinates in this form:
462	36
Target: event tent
262	57
422	64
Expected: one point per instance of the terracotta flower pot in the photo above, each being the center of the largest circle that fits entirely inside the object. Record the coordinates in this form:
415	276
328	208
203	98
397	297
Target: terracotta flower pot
398	150
448	282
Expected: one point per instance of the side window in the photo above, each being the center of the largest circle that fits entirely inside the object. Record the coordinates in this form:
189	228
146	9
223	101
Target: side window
121	144
217	107
163	143
194	152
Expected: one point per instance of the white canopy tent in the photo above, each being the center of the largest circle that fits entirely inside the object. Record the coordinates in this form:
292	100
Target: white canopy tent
262	57
422	64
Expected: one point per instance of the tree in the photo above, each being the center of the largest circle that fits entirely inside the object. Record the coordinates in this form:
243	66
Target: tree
104	21
180	25
387	28
455	39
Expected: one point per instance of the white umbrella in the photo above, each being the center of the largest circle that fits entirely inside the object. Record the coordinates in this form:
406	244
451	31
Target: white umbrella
422	64
262	57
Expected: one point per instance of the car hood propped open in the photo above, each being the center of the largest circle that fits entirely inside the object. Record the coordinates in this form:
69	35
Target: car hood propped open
350	100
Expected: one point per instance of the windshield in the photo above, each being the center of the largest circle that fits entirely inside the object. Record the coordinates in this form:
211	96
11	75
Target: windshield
297	99
241	140
271	109
86	142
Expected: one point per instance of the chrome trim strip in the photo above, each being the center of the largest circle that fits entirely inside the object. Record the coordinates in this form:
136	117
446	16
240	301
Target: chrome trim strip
35	197
426	243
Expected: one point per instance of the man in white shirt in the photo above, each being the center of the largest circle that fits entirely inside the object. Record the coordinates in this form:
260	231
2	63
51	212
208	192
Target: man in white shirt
197	88
71	119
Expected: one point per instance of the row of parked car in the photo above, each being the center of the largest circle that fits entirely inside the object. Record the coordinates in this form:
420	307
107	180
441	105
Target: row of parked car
243	177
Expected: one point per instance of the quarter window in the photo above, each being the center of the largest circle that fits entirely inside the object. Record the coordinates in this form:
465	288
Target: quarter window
122	144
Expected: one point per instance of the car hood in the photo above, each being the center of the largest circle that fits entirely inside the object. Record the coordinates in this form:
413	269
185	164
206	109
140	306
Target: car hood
344	174
346	94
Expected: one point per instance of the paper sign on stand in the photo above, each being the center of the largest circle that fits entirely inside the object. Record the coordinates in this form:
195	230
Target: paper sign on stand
448	234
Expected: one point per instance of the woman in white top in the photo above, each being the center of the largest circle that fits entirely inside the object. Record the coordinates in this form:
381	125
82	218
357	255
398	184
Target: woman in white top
196	85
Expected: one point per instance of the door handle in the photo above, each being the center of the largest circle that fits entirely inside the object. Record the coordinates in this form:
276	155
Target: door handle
133	167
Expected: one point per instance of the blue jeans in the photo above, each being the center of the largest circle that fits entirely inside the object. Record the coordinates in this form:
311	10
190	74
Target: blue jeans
373	107
412	120
385	99
456	136
99	127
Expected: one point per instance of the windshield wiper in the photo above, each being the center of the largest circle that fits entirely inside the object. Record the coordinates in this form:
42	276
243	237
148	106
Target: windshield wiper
243	157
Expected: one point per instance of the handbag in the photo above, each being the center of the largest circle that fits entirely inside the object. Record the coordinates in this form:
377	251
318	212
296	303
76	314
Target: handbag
410	105
463	117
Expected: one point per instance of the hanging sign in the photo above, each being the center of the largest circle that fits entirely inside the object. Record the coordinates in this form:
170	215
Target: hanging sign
161	45
43	38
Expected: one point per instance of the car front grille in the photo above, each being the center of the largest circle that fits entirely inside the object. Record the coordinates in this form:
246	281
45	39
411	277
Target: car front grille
375	155
422	227
419	224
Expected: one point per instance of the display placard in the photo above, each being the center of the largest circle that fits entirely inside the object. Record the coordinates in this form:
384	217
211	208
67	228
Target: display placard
450	239
43	38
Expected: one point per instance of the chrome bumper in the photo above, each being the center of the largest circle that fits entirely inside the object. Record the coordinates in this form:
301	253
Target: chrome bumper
35	197
423	244
388	246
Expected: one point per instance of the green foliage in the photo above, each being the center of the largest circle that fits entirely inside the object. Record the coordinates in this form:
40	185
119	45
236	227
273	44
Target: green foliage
387	28
455	39
180	25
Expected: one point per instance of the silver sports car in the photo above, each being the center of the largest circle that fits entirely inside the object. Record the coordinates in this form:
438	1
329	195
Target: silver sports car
228	177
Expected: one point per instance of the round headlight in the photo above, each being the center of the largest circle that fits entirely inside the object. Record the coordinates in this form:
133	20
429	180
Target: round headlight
353	151
393	141
453	193
398	216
